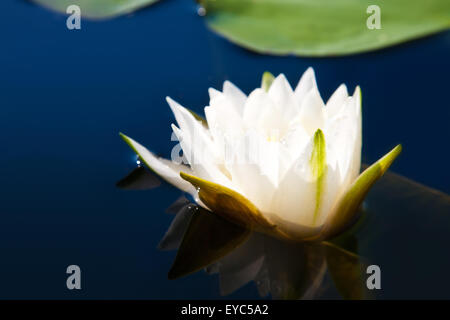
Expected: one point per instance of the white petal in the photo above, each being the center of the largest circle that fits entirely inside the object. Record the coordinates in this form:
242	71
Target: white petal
254	184
343	131
294	200
332	187
227	119
257	103
295	140
355	165
213	93
282	95
199	149
203	164
262	114
306	83
226	126
194	134
312	112
236	96
188	123
166	169
336	101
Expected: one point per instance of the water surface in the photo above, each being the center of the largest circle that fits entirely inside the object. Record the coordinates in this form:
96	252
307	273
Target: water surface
65	95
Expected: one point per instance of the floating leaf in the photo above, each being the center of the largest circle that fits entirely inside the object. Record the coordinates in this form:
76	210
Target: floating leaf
97	9
323	27
207	239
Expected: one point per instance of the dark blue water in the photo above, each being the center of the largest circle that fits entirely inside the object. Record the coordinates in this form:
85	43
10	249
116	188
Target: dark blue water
65	95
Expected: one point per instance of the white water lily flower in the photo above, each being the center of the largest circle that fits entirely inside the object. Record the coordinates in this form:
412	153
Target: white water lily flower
280	161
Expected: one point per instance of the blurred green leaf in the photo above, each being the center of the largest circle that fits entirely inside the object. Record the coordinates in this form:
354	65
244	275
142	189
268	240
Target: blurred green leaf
323	27
207	239
97	9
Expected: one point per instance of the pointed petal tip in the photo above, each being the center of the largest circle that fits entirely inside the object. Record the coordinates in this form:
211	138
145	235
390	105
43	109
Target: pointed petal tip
185	176
176	130
310	72
281	77
213	93
343	86
319	137
227	83
172	104
122	135
389	158
128	141
319	133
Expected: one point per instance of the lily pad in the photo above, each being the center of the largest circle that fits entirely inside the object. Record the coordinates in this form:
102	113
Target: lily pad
97	9
323	27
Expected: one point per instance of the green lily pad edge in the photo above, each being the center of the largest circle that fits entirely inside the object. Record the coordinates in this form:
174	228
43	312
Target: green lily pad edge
319	28
97	9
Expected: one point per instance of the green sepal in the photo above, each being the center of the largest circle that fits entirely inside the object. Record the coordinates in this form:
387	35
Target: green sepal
267	80
130	142
346	211
318	163
198	118
228	203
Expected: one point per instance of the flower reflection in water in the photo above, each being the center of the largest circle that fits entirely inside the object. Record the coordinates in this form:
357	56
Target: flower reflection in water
281	269
405	226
